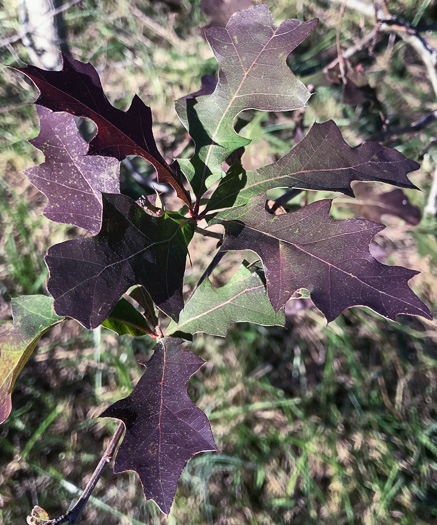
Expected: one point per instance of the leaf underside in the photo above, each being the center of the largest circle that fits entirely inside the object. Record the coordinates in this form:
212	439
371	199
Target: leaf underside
164	429
331	259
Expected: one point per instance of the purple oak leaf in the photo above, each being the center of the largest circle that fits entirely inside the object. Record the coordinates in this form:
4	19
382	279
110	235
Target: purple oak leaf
72	181
88	276
331	259
77	90
321	161
164	429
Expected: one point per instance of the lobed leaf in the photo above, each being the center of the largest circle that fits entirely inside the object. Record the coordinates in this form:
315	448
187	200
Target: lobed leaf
72	181
321	161
88	276
77	90
214	310
253	74
331	259
33	316
164	429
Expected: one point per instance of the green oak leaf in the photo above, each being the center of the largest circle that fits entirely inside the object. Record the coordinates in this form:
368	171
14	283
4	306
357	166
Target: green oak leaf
253	74
213	310
33	316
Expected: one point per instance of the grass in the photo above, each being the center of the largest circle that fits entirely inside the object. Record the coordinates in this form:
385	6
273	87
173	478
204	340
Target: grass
333	424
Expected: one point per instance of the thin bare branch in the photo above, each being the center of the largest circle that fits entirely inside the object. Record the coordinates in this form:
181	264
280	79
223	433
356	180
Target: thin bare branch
165	34
391	24
72	515
414	127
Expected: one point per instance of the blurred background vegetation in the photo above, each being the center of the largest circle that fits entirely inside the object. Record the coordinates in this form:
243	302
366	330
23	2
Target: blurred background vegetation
333	424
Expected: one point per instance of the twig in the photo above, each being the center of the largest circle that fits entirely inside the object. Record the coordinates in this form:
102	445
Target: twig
217	258
361	6
21	34
409	34
283	199
72	515
414	127
354	49
146	181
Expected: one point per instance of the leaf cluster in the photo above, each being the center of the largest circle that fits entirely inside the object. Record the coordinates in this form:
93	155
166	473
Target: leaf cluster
139	248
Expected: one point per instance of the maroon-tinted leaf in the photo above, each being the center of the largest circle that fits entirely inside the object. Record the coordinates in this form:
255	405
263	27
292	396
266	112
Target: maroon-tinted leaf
253	74
88	276
373	205
321	161
164	429
331	259
77	90
72	181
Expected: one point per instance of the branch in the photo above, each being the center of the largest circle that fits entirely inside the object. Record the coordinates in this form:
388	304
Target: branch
361	6
361	44
72	515
165	34
414	127
409	34
283	199
217	258
340	56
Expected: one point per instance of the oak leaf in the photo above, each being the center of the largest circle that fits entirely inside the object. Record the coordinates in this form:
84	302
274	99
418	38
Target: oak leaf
331	259
72	181
164	429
